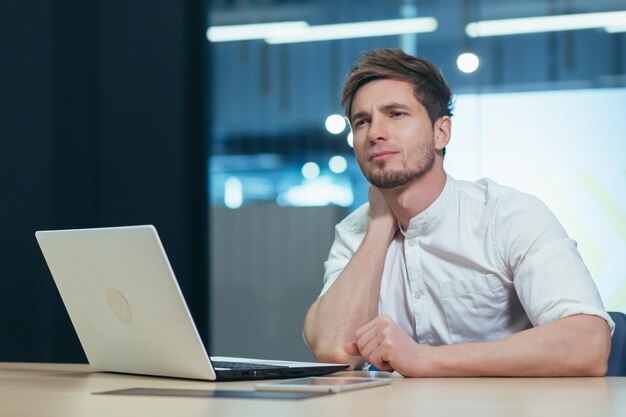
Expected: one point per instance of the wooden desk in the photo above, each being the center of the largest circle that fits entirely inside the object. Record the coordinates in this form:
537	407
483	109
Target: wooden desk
66	390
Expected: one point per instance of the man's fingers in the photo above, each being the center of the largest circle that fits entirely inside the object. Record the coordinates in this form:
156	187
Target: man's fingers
365	338
371	335
365	328
368	346
352	349
377	323
377	358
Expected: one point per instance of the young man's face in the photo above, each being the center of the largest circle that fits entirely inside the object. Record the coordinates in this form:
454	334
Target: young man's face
393	135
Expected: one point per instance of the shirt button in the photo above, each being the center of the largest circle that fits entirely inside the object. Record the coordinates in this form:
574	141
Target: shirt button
417	295
411	242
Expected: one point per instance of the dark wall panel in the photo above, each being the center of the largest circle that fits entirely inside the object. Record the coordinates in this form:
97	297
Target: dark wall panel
101	124
26	101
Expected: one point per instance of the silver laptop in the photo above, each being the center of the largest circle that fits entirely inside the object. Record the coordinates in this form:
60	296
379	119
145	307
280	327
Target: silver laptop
130	315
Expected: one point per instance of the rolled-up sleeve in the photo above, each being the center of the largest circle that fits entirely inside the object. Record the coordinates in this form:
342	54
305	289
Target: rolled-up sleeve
349	234
549	274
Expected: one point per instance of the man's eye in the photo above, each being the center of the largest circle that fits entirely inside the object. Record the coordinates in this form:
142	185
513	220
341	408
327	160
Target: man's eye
360	122
397	114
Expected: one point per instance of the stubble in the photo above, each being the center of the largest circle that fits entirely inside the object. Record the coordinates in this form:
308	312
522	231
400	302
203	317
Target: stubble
415	166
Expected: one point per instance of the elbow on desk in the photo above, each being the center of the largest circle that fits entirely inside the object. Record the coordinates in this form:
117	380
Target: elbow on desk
600	345
594	367
599	364
593	358
326	353
320	347
331	356
330	353
338	355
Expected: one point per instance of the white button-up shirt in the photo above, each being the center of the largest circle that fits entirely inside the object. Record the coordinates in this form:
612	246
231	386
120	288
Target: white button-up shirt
482	262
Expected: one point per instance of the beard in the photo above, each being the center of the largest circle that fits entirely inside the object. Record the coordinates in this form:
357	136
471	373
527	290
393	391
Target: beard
418	164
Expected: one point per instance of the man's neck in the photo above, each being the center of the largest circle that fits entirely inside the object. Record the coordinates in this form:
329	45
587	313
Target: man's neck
413	198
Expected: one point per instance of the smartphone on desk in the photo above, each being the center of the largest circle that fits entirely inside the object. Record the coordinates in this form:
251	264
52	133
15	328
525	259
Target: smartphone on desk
322	384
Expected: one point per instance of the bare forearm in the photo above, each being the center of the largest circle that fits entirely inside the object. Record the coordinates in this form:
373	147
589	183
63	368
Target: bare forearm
573	346
351	301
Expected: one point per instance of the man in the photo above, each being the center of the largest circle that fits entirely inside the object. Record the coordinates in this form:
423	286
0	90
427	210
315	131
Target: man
439	277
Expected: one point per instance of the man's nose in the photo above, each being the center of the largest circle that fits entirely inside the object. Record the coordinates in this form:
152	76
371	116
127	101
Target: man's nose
378	130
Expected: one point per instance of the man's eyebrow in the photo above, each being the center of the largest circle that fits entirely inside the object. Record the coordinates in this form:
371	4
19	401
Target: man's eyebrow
385	108
392	106
358	115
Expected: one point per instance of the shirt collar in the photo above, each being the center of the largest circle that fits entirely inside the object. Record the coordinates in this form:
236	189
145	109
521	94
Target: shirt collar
435	209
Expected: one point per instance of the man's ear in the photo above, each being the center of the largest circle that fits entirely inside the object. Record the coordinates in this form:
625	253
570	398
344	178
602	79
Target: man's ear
442	132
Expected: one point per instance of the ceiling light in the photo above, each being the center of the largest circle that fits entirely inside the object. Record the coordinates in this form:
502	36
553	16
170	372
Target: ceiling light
545	24
335	124
616	28
357	30
233	195
468	62
310	170
337	164
253	31
350	139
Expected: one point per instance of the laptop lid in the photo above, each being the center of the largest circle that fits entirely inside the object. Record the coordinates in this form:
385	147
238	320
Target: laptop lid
126	306
128	311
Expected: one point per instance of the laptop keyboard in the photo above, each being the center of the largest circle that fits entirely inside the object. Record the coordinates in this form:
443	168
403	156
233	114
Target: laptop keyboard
244	365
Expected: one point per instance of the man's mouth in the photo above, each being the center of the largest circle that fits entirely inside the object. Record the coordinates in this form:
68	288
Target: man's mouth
381	155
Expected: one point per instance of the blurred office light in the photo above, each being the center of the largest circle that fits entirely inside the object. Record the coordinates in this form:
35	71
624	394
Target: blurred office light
537	24
310	170
321	191
335	124
337	164
467	62
350	139
233	194
301	31
616	28
357	30
232	33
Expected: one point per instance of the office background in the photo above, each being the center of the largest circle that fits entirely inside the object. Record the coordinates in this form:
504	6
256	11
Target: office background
116	112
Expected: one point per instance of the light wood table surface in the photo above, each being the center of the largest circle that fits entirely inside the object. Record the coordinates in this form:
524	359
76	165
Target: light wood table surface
34	389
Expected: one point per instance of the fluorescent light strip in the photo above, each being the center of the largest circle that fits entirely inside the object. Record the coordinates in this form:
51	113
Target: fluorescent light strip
357	30
254	31
616	28
545	24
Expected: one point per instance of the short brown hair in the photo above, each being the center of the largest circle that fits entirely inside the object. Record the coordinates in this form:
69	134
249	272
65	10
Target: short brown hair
430	88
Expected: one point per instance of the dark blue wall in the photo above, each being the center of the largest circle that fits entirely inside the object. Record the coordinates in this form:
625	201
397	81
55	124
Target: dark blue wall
101	124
